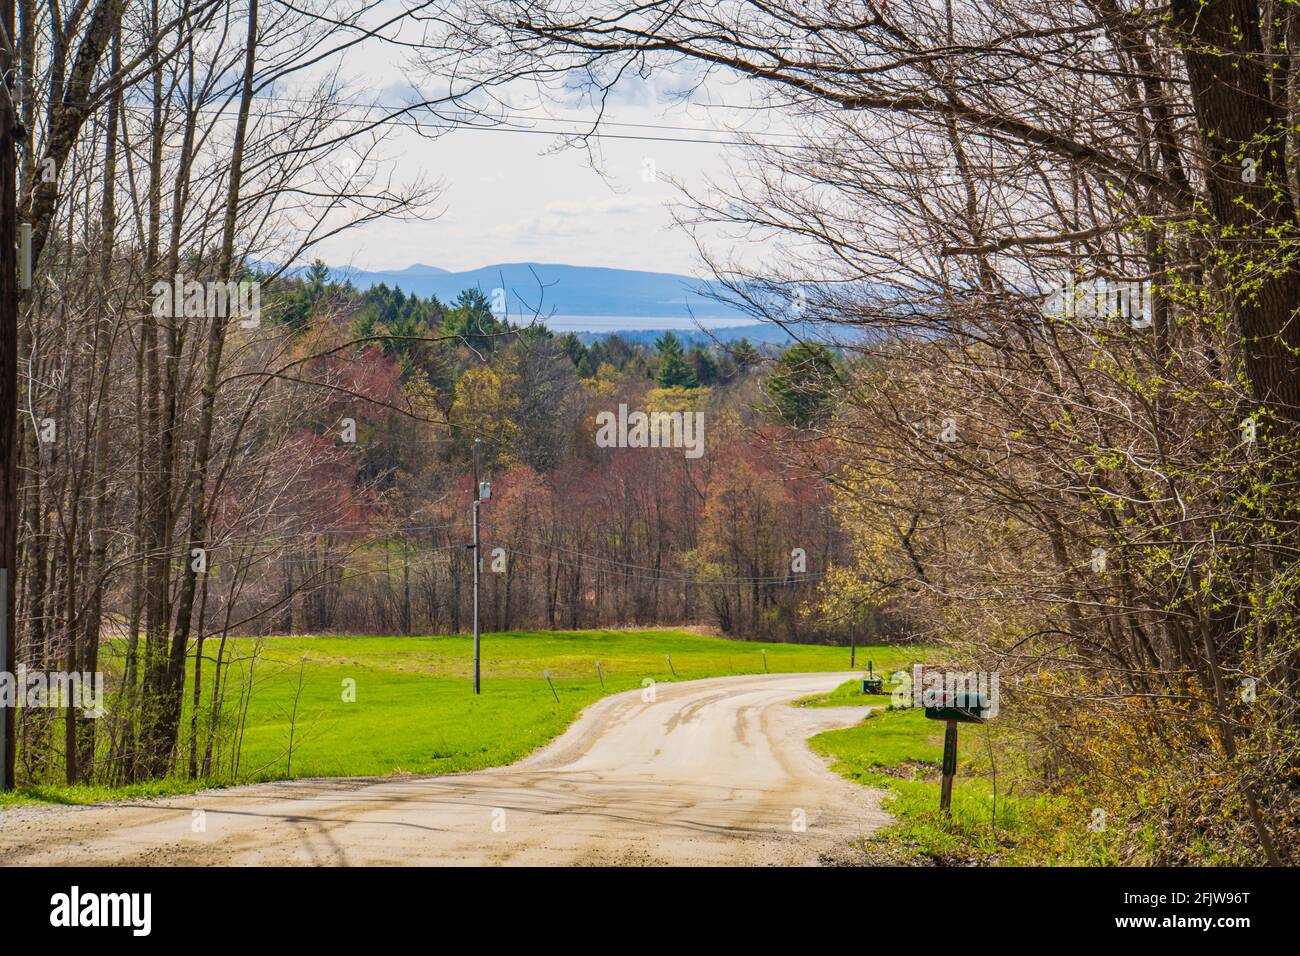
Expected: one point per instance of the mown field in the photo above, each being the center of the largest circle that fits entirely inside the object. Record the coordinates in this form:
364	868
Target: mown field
414	712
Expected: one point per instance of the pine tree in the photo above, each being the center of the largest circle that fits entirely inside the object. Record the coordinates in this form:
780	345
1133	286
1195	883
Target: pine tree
673	370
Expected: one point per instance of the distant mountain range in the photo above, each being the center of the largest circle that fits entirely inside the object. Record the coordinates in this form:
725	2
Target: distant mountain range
566	291
594	302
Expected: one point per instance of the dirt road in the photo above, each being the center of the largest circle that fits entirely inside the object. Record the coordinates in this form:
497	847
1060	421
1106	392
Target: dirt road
710	772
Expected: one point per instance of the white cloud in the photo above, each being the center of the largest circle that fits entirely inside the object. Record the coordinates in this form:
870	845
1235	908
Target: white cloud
568	218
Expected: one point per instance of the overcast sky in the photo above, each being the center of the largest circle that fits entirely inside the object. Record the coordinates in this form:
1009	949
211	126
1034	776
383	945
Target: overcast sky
512	196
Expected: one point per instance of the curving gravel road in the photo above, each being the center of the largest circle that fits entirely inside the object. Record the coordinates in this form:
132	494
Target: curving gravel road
711	772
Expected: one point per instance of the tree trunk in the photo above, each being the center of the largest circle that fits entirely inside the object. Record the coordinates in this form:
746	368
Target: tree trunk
164	739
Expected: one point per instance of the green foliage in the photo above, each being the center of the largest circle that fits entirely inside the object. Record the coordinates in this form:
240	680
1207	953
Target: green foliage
293	302
802	385
703	365
578	354
471	322
669	344
744	355
673	370
614	351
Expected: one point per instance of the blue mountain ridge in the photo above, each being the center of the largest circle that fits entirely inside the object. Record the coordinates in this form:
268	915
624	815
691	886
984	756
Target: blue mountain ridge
565	290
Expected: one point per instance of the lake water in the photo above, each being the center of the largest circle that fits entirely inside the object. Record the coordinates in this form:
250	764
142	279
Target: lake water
634	323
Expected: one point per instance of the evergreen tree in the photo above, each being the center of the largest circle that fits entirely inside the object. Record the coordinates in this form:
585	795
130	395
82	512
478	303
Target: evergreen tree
703	365
801	384
470	319
744	354
673	370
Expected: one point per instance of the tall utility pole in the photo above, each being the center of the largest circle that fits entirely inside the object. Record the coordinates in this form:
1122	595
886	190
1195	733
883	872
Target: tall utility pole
9	120
476	564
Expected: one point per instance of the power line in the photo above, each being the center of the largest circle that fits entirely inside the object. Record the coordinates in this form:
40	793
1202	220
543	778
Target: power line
524	117
392	120
645	567
783	580
394	109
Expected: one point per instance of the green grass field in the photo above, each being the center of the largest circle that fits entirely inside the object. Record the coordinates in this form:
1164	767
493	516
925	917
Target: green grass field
414	711
901	751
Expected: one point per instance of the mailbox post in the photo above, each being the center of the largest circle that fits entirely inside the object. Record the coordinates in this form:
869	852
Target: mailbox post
951	696
871	684
949	766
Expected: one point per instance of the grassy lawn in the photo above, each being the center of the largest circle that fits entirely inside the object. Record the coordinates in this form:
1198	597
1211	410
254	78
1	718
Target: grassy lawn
901	751
414	711
848	694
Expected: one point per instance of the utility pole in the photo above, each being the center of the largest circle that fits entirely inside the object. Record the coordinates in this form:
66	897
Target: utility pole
9	120
476	564
406	590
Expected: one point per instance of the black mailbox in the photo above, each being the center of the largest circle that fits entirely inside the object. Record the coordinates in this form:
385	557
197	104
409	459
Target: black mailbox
972	714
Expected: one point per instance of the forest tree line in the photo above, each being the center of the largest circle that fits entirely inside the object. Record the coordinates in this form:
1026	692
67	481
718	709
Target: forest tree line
575	535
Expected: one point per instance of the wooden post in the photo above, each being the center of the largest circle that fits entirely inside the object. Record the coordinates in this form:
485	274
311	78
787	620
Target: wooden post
949	766
406	590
